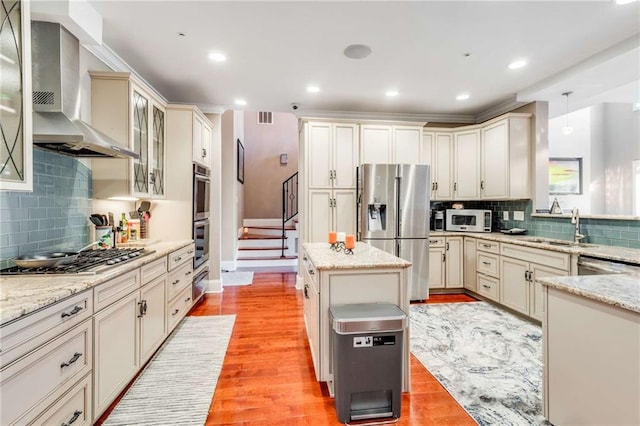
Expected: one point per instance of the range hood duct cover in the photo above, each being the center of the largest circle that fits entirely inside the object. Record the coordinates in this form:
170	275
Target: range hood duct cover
56	97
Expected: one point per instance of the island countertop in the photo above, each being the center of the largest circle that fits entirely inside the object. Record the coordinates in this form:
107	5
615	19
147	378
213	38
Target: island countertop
621	290
364	256
23	294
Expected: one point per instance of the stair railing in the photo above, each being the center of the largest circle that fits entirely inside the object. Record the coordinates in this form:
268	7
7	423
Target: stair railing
289	203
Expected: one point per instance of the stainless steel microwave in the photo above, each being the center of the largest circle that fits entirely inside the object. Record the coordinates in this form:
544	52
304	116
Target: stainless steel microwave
468	220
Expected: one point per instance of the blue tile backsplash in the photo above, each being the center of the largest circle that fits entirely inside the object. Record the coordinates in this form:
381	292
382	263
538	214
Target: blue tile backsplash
621	233
52	217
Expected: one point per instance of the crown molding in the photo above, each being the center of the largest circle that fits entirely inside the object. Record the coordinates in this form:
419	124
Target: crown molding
382	116
503	107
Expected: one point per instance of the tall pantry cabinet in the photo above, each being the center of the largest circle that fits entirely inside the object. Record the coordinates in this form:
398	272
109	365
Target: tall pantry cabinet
330	159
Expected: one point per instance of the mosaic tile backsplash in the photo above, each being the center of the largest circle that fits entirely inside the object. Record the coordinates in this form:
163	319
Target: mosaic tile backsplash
52	217
621	233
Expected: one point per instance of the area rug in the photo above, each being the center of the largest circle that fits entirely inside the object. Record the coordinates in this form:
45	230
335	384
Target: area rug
489	360
236	278
177	386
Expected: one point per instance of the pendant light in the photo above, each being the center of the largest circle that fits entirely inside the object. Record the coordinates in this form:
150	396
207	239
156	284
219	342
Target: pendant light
567	130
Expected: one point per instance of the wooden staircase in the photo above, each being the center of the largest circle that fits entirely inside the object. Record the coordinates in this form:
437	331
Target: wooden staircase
260	245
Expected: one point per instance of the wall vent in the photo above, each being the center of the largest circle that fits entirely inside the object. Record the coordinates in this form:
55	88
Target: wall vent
265	117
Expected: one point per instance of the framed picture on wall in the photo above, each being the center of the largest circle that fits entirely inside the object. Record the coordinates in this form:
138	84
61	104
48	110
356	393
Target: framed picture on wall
565	176
240	162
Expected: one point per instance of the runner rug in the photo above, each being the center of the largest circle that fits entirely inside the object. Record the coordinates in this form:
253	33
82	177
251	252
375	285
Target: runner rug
489	360
177	386
236	278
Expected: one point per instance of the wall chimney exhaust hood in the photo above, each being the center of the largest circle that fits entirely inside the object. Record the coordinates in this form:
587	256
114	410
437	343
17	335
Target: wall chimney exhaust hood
56	97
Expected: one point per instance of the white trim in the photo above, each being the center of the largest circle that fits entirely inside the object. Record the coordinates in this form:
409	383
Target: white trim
228	265
501	108
299	282
214	286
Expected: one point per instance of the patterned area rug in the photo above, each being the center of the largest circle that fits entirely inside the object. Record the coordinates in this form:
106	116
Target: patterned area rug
489	360
236	278
176	387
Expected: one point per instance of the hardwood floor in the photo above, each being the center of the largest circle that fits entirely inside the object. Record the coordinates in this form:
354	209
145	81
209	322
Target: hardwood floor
267	377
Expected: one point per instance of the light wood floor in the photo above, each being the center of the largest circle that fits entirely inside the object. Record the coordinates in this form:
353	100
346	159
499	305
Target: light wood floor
267	377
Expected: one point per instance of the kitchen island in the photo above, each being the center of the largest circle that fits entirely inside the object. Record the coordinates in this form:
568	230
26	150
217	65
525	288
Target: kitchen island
369	275
591	349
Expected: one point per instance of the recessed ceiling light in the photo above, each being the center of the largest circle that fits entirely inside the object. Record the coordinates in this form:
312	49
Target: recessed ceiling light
392	93
357	51
313	89
517	64
462	97
240	102
217	57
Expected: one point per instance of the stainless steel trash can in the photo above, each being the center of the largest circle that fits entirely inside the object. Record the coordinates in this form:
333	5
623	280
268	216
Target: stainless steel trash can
366	358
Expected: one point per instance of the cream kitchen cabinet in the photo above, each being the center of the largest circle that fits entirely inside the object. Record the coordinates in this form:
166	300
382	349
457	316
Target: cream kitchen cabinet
128	111
504	158
201	138
390	144
469	264
437	152
330	210
520	269
129	330
311	309
488	269
445	262
16	149
466	164
331	151
179	288
45	355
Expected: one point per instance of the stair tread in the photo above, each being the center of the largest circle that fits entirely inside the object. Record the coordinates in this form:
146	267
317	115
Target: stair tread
260	237
267	258
263	248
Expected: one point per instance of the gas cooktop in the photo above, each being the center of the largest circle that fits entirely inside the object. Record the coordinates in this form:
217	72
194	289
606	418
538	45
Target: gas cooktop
88	262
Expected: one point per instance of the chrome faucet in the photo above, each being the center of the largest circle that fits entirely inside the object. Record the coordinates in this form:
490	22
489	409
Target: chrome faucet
575	219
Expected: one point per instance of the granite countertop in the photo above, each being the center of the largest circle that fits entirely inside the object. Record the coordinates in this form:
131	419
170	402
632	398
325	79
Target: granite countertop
24	294
621	290
623	254
364	257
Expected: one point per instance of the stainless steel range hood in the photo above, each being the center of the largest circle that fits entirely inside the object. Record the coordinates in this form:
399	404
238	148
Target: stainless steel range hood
56	97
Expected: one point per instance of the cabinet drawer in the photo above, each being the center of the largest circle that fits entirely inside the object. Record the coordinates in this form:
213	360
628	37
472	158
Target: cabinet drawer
179	279
153	270
178	308
74	408
25	334
548	258
436	242
488	246
488	286
180	256
45	374
115	289
488	264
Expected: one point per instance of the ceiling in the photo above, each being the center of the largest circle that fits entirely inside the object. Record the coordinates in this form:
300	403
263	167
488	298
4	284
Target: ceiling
428	51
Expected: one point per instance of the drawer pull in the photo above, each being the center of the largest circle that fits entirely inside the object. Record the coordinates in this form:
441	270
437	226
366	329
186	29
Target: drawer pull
72	312
175	312
175	282
486	263
177	259
73	359
190	251
306	291
312	272
187	299
76	414
486	245
486	286
187	273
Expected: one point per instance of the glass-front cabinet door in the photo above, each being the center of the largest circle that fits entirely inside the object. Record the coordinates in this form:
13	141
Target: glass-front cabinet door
157	151
15	96
141	143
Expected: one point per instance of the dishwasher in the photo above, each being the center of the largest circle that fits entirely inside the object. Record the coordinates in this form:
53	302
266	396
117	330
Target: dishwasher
596	266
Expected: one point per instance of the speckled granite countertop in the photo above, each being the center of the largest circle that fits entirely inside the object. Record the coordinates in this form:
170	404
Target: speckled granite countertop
24	294
622	290
364	256
600	251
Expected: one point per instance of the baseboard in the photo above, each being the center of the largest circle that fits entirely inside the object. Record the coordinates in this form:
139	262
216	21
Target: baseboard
299	282
228	265
214	286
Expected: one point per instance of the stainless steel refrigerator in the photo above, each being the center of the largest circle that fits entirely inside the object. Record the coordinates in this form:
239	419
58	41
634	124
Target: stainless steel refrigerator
394	216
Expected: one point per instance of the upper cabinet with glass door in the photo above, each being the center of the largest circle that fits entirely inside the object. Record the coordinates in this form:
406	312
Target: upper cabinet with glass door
16	171
127	110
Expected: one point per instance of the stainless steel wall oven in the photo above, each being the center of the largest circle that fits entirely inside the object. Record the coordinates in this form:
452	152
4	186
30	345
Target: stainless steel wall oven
201	239
201	192
201	211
